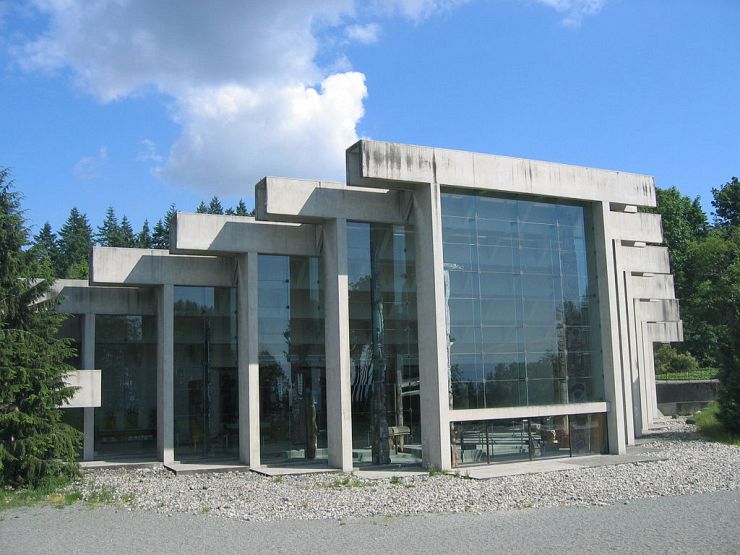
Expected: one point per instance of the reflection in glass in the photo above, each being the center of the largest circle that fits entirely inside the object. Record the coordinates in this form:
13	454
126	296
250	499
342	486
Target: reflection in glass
521	439
520	301
383	344
291	358
206	393
126	353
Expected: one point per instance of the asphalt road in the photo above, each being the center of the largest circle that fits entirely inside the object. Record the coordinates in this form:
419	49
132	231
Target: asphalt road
707	523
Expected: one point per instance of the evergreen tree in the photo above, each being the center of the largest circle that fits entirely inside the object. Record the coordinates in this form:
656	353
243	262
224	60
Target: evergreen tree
127	238
214	207
241	209
144	238
45	249
161	235
109	234
36	447
75	242
202	208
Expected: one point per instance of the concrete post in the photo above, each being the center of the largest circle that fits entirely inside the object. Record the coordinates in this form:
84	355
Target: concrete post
336	332
88	363
248	346
165	373
607	288
433	355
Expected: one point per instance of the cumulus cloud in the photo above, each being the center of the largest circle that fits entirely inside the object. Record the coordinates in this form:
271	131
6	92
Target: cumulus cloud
364	34
88	168
416	10
574	11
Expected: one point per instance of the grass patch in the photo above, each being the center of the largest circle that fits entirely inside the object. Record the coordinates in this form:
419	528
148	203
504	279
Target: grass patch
710	426
700	374
102	496
349	482
277	479
396	480
46	493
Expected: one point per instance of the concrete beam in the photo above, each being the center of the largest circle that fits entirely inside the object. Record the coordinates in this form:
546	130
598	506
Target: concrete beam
77	297
663	310
649	259
527	412
119	266
664	332
640	226
300	200
658	286
88	392
224	235
376	163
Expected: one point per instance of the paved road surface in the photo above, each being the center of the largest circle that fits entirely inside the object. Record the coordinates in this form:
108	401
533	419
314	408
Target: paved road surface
707	523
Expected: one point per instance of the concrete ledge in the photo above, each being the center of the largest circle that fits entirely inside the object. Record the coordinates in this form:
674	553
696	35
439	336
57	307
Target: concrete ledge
205	467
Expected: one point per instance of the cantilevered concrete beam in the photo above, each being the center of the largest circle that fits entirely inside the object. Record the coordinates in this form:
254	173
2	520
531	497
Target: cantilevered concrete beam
376	163
210	234
302	200
116	266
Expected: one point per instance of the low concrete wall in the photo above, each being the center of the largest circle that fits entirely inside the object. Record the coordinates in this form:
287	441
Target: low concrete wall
685	396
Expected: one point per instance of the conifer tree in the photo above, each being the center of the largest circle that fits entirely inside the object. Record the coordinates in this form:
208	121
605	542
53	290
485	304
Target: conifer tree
161	235
75	242
45	249
202	208
127	237
144	237
109	234
214	207
241	209
36	447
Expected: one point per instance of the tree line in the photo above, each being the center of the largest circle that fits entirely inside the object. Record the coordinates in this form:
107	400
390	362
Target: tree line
705	261
65	253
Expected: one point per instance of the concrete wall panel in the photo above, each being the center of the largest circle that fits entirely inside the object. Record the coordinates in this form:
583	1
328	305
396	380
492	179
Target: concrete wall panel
640	226
88	394
658	286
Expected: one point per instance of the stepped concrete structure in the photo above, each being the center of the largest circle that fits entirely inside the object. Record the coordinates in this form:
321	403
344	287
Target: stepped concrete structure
441	308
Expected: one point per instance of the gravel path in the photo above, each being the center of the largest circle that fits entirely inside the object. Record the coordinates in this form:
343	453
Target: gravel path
693	466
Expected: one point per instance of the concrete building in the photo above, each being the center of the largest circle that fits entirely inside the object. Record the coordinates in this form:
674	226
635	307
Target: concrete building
440	307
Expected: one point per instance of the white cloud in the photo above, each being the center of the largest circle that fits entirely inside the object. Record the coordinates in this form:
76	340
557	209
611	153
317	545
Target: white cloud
148	152
88	168
364	34
574	11
416	10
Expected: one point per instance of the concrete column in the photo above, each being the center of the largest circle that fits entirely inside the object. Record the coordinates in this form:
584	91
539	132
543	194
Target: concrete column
88	363
431	314
248	352
336	332
624	312
607	289
165	373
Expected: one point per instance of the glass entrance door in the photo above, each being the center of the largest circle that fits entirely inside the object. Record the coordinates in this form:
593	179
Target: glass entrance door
206	392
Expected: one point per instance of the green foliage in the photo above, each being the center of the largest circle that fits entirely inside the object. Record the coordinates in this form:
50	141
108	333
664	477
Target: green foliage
161	235
35	445
75	242
726	203
144	238
127	237
710	425
669	360
214	207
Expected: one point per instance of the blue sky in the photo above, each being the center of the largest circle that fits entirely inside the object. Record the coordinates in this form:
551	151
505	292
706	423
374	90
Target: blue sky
137	105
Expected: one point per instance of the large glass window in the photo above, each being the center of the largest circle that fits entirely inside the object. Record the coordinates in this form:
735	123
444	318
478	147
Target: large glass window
383	344
71	328
522	311
206	392
523	439
291	358
126	354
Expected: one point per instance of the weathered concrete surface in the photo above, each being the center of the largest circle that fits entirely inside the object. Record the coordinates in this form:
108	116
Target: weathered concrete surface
88	394
685	396
371	161
77	297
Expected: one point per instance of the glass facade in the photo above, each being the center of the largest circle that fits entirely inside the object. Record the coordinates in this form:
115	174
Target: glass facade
205	386
71	329
383	344
511	440
522	305
291	359
126	354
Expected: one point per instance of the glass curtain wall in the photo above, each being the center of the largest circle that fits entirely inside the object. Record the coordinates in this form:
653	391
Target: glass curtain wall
71	329
522	304
291	358
126	353
383	344
206	393
521	439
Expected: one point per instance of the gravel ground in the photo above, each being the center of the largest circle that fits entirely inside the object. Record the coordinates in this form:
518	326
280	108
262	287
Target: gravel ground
693	466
